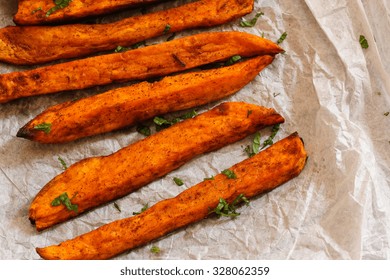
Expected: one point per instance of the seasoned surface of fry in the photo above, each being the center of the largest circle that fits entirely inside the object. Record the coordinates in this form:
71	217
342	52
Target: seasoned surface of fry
263	172
34	12
130	105
38	44
151	61
97	180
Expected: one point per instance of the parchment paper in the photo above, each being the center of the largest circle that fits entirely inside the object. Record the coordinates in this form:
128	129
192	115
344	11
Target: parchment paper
329	89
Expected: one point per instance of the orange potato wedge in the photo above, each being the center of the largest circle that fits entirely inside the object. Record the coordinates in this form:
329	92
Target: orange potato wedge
151	61
97	180
34	12
263	172
128	106
39	44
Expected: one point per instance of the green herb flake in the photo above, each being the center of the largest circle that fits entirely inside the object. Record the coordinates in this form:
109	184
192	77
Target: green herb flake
162	123
117	207
209	178
229	210
253	149
252	22
64	200
178	181
45	127
270	139
282	38
155	250
249	113
137	45
144	208
363	42
59	4
256	143
121	49
167	28
233	60
386	114
144	130
230	174
63	163
189	115
36	10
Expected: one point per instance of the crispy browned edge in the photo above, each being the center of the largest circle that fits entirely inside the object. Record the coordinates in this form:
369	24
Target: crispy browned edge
40	44
147	62
34	12
94	181
130	105
263	172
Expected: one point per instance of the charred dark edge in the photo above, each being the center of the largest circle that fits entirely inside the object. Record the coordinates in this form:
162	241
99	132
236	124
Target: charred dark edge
25	132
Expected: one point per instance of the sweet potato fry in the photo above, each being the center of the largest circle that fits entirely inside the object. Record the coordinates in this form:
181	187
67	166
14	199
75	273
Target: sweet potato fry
36	12
263	172
151	61
38	44
127	106
97	180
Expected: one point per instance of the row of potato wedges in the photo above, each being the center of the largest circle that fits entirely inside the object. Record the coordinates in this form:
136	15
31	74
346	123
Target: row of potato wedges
183	85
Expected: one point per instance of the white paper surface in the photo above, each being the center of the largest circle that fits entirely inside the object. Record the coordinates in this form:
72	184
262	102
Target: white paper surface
329	89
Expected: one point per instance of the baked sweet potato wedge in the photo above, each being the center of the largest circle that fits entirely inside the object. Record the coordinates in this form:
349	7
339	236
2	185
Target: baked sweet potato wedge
40	11
130	105
38	44
151	61
97	180
263	172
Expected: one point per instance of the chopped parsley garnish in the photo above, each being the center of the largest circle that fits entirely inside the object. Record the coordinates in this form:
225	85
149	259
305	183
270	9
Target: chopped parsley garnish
270	139
233	60
167	28
282	38
188	115
117	207
230	174
155	249
63	163
59	4
386	114
229	210
143	129
36	10
363	42
66	201
178	181
146	206
162	123
252	22
45	127
209	178
249	113
121	49
255	147
132	47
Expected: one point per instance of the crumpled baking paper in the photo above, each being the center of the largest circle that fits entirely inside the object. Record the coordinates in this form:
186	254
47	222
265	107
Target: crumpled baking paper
332	91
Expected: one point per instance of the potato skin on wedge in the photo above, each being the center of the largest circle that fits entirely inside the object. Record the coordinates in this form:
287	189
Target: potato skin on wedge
38	44
263	172
34	12
128	106
139	64
97	180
